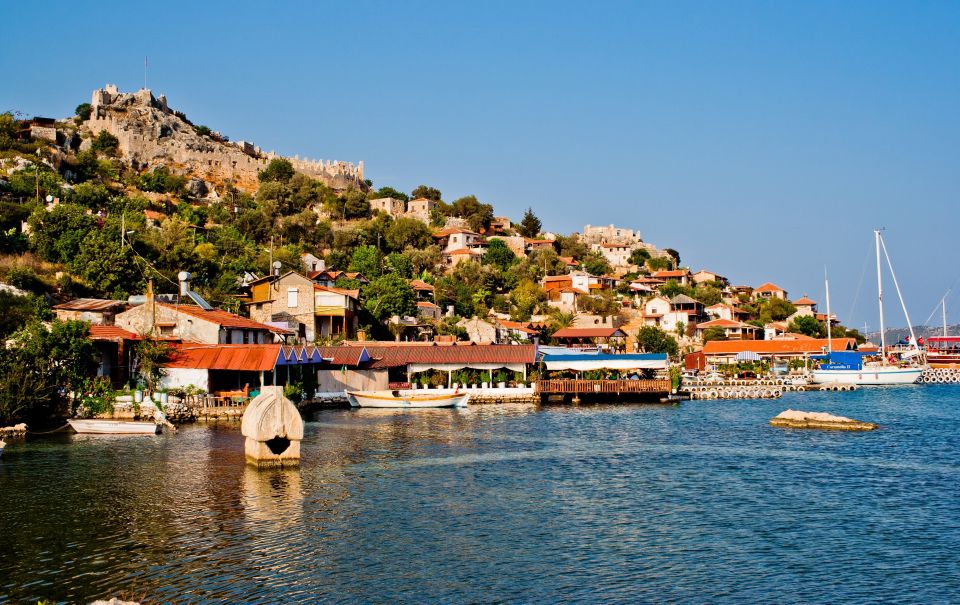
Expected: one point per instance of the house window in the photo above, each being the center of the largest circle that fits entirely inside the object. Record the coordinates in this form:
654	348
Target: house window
166	330
291	297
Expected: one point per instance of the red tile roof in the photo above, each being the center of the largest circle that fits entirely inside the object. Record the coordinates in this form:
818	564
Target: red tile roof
813	346
460	251
803	300
588	333
223	318
768	287
417	284
516	325
673	273
426	304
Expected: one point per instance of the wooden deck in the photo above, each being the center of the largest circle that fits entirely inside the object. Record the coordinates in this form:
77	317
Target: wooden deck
594	387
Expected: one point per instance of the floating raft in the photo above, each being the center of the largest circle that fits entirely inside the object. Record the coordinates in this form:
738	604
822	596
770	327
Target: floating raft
795	419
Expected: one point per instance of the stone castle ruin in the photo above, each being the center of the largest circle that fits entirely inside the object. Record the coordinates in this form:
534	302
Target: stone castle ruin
151	134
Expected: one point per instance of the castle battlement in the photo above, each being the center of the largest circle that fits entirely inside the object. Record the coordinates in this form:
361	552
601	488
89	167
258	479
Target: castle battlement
150	133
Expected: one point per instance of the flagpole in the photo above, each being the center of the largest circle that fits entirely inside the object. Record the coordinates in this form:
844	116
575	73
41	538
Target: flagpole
144	72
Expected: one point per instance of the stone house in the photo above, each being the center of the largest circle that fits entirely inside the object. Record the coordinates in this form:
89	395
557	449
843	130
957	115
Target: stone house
703	277
457	239
421	208
287	299
389	205
98	312
193	323
732	329
681	276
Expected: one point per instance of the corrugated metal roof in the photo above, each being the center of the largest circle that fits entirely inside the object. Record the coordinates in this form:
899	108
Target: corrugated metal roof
249	358
588	333
91	304
111	333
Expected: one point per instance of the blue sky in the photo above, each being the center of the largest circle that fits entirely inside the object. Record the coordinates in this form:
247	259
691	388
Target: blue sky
763	140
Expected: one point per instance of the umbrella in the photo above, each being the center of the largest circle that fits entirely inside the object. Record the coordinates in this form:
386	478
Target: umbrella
747	356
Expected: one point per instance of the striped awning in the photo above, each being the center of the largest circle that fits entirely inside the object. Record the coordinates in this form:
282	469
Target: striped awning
747	356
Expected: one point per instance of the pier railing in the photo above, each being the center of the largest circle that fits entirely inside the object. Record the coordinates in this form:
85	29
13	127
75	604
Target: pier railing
583	387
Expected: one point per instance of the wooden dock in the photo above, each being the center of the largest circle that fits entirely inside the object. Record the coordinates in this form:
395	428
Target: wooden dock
578	387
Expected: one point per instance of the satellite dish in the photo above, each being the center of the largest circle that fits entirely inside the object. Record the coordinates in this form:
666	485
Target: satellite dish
277	264
49	198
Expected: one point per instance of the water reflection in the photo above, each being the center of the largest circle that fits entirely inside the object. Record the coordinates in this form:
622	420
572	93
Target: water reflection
702	502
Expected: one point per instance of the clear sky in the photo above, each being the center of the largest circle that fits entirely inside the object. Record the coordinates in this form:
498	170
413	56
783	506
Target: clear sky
763	140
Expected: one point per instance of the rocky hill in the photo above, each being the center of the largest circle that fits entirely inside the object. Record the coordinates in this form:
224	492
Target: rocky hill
151	134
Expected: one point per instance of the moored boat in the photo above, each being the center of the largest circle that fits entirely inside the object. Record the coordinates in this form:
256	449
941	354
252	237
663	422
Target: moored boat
848	367
943	351
3	444
114	427
396	399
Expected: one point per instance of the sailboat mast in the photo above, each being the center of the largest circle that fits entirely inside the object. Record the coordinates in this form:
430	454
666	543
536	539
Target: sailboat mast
943	303
826	283
883	335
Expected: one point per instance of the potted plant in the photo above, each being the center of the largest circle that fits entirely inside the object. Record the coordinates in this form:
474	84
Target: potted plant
501	379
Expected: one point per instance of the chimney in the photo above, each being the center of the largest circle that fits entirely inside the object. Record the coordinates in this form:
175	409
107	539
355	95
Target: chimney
184	278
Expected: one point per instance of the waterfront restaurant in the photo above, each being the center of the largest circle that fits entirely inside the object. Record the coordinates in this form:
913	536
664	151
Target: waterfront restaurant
236	368
394	365
641	375
719	352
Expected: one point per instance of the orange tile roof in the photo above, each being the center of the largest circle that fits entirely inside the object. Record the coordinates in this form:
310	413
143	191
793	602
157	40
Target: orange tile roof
516	325
426	304
460	251
223	318
555	278
673	273
803	300
772	347
418	284
768	287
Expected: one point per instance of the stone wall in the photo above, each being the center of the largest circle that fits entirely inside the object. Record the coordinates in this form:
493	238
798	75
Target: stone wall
151	134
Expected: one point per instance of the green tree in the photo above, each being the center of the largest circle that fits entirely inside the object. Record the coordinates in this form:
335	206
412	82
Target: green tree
708	295
808	325
571	246
639	257
355	204
151	355
58	234
674	255
408	232
654	340
203	131
161	180
429	193
714	333
90	195
105	143
278	170
603	304
83	111
366	260
530	225
478	215
106	267
41	367
400	264
8	131
390	192
780	309
524	300
387	296
659	263
499	255
595	263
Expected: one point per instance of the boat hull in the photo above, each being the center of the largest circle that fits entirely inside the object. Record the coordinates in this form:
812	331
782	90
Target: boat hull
114	427
393	399
868	376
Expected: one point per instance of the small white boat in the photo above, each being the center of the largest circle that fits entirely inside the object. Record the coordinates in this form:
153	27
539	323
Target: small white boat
394	399
114	427
3	444
868	375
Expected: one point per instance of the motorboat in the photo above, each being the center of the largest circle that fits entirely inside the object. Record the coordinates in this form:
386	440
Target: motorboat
114	427
399	399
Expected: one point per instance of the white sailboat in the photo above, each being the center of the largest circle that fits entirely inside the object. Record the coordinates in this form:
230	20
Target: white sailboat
850	371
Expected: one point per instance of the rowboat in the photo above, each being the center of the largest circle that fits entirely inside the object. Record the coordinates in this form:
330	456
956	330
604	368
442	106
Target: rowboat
114	427
394	399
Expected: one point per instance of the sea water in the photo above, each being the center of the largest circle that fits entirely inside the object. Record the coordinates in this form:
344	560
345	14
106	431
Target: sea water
696	503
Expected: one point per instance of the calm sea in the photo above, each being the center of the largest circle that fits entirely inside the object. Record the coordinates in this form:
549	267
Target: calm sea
699	503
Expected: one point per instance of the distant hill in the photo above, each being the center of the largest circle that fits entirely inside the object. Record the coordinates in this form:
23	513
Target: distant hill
895	334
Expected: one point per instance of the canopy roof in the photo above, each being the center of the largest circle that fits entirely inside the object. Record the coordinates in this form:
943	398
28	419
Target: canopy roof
633	361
